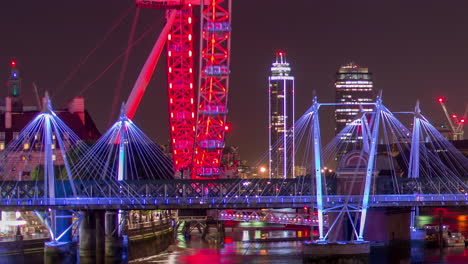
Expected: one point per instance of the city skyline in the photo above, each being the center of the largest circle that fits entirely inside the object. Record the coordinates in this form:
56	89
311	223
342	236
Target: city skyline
416	51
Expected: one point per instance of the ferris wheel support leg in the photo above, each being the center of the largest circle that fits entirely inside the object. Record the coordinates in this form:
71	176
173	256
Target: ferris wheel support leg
148	69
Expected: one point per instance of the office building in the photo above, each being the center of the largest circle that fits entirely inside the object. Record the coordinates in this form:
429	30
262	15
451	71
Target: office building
353	86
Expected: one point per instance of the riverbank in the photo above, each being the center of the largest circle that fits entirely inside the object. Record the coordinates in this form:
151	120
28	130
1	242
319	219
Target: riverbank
30	246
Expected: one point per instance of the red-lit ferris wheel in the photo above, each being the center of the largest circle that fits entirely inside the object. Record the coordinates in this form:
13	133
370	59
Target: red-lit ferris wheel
197	119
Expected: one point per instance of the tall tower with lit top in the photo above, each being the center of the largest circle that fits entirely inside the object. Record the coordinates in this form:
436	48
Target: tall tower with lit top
281	119
14	87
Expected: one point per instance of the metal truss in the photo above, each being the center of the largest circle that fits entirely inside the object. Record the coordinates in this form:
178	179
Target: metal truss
213	93
221	188
169	197
180	87
49	219
269	216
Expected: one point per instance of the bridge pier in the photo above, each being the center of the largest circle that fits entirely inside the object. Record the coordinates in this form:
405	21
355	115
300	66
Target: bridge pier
113	243
388	224
355	252
385	225
100	235
59	252
87	235
63	249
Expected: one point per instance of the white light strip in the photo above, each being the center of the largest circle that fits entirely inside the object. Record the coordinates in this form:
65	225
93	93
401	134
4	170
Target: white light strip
275	78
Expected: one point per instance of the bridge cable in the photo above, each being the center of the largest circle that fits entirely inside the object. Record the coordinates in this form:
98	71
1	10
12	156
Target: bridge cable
96	47
123	68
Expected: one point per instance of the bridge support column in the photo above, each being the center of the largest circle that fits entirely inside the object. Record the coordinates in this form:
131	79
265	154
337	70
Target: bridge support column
59	252
63	221
113	243
221	228
221	231
61	249
100	236
356	252
87	235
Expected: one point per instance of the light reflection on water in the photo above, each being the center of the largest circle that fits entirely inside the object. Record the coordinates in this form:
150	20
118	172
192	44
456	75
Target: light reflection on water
455	218
234	252
240	246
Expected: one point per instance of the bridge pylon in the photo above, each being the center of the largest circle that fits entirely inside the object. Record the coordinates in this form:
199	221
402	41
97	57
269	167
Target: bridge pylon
413	170
370	132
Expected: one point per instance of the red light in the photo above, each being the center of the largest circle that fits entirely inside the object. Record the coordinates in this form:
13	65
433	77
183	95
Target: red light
227	128
440	99
454	116
462	121
13	63
280	53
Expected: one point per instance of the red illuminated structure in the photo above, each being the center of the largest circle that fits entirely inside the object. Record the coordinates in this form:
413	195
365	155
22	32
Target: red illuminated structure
197	137
181	88
213	93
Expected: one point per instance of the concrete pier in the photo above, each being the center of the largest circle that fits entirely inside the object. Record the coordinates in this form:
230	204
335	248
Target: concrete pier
339	252
59	252
100	235
87	235
113	244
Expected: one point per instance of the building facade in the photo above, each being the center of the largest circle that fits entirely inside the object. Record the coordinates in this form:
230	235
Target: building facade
353	86
14	116
281	119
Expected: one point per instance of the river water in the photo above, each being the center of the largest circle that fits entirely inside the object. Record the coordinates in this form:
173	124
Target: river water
290	252
244	244
234	250
247	243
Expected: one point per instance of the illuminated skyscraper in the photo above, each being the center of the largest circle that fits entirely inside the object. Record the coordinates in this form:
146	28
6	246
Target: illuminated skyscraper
353	86
281	119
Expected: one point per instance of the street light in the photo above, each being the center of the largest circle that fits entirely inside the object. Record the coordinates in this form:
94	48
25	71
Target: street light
261	171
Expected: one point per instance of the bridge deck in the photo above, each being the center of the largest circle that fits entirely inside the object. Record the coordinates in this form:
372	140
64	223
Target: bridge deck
231	203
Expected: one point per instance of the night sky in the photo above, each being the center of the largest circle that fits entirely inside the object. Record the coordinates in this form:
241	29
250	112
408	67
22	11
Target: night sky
416	49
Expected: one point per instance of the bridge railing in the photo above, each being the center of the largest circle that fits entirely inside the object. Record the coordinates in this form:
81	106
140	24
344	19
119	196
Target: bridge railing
239	202
223	191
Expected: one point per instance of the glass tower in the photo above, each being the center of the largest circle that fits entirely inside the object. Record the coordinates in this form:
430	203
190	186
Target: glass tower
281	119
353	86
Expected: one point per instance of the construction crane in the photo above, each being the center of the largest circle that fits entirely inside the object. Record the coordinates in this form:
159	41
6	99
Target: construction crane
456	123
197	125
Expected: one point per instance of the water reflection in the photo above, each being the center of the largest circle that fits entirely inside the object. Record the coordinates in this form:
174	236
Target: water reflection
245	235
261	245
237	248
455	217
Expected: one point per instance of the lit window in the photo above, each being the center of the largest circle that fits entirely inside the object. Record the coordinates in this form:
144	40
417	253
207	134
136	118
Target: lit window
26	146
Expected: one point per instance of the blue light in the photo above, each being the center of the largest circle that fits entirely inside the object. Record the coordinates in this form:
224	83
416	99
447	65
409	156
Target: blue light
14	74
